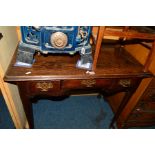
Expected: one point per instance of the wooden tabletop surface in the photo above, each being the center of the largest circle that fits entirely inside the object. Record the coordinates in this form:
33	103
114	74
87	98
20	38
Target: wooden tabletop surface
112	63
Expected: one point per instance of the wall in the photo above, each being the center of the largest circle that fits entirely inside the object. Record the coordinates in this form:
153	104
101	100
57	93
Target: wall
10	92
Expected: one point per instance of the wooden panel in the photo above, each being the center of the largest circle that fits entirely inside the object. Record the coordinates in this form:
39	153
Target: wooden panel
146	106
141	116
10	92
139	124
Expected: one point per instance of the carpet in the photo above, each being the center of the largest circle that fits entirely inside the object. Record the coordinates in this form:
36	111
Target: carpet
75	112
5	118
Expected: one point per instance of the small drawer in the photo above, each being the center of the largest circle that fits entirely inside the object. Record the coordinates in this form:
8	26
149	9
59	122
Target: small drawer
146	106
138	124
86	83
123	84
127	83
43	87
140	115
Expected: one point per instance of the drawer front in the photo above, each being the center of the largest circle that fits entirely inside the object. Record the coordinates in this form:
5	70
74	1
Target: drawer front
137	124
144	113
146	106
126	83
140	115
86	83
43	87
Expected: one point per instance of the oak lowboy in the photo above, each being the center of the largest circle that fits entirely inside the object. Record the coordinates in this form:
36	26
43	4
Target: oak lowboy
57	76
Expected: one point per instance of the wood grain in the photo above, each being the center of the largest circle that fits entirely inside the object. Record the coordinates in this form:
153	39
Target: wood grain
112	63
51	67
61	71
134	99
98	45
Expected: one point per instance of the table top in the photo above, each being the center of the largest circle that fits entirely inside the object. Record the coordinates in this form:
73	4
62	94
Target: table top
112	63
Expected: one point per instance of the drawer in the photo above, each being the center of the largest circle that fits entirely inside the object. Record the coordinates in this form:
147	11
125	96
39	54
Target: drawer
146	106
86	83
140	115
126	83
98	83
137	124
42	87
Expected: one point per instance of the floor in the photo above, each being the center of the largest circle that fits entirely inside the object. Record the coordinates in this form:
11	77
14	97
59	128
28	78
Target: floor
74	112
5	118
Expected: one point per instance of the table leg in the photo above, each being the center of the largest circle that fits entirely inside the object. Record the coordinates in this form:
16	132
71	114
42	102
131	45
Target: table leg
121	107
28	110
27	105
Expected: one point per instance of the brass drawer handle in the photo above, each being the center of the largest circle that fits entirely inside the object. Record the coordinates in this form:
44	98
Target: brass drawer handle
88	83
44	86
125	82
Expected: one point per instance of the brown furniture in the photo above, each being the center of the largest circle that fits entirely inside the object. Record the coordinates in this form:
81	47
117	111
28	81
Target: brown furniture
139	111
144	112
127	34
56	75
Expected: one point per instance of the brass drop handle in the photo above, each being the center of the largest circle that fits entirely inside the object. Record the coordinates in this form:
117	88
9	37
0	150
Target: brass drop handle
88	83
125	82
44	86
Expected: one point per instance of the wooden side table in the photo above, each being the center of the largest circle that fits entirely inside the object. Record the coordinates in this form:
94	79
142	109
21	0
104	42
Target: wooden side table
56	75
